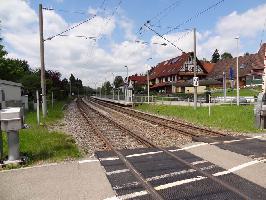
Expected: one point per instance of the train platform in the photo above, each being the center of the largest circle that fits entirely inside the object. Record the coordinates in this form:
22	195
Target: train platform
117	102
72	180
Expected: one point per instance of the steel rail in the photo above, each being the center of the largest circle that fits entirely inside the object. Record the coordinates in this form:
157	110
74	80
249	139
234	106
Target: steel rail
159	120
254	155
133	170
210	176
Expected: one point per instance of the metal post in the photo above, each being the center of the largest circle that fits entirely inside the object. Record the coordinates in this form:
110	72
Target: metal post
1	146
126	94
224	86
148	85
38	107
44	103
13	145
209	105
195	66
237	73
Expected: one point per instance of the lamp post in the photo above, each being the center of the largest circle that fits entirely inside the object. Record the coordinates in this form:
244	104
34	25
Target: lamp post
126	95
237	72
148	81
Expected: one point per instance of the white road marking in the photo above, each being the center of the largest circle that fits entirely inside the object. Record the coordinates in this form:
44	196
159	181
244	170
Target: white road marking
144	154
199	162
239	167
189	147
176	183
87	161
108	158
117	171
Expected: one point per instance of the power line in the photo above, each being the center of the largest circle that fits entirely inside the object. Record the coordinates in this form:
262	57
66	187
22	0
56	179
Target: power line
195	16
163	37
83	22
160	13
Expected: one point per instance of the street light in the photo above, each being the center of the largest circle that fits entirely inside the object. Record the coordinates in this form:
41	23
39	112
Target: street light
148	81
237	73
126	96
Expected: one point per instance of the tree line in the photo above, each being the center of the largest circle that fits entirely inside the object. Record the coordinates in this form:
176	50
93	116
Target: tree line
17	70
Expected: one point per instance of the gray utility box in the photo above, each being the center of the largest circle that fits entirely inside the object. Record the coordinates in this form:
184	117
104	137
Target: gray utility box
11	122
11	119
260	111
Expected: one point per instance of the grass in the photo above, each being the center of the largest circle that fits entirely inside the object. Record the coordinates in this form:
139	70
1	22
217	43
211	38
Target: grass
40	145
232	118
242	92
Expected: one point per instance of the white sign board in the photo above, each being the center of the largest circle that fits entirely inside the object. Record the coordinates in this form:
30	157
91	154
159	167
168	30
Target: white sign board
195	81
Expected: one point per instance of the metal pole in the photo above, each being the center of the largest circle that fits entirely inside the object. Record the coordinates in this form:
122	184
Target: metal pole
237	73
148	85
44	103
209	105
126	93
195	66
224	85
1	146
38	107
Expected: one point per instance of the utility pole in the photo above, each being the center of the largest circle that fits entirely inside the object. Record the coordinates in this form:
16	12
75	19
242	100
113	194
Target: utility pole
195	68
44	103
148	85
237	73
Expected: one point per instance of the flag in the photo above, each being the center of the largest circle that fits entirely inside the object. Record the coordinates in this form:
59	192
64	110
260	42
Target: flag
231	73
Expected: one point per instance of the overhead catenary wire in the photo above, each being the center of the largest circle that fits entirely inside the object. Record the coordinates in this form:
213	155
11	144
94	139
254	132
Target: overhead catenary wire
161	36
160	13
71	28
195	16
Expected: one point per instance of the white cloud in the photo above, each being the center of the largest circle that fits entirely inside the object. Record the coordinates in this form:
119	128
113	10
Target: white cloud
90	61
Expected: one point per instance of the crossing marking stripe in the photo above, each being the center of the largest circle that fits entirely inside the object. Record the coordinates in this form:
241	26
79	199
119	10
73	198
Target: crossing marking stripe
117	171
181	182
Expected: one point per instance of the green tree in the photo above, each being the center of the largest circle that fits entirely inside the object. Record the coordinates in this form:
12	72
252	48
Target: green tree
215	56
226	55
107	87
118	81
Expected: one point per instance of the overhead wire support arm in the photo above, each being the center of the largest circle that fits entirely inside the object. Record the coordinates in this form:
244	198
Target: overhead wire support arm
163	37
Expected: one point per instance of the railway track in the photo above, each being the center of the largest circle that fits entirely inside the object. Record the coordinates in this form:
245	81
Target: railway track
180	127
96	119
199	134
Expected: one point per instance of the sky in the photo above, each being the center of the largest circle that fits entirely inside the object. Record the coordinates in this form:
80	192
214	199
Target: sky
116	26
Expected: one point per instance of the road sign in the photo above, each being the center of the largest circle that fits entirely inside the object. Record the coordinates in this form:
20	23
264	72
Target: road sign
195	81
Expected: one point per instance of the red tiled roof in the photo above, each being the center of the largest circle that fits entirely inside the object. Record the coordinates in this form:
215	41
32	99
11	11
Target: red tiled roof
138	79
172	66
247	63
207	66
160	85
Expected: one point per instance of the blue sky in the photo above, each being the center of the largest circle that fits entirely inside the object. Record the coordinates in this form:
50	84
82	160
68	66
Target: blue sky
93	61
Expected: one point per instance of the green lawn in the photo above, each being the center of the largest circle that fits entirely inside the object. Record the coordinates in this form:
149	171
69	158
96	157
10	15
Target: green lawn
40	145
226	117
242	92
